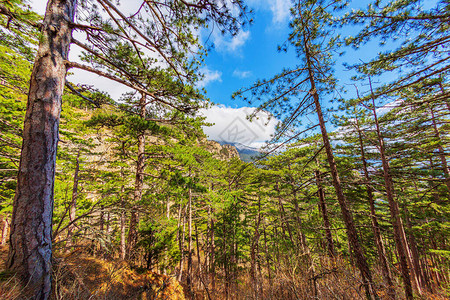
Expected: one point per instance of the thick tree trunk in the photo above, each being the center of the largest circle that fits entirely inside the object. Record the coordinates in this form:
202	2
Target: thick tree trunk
138	186
324	212
30	249
375	226
352	234
73	203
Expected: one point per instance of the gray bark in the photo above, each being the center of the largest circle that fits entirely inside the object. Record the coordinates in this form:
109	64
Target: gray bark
30	249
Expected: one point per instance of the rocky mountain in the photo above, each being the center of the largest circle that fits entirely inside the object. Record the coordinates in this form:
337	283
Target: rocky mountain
222	152
246	153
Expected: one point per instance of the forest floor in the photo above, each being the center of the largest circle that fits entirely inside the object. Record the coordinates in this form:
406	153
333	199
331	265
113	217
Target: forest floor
80	276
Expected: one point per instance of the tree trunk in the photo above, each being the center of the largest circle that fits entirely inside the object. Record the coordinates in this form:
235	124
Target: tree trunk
301	234
212	260
324	212
166	258
226	261
30	250
352	234
284	221
268	266
123	232
101	223
253	251
375	226
414	251
138	186
397	224
5	228
189	266
73	204
181	243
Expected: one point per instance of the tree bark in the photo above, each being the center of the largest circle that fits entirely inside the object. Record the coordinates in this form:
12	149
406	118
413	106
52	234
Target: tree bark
397	224
30	251
253	251
138	186
123	232
5	228
189	266
181	242
212	260
375	226
324	212
414	251
268	266
199	261
73	203
352	234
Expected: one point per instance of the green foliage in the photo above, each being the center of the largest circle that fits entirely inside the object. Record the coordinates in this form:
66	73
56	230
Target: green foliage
16	52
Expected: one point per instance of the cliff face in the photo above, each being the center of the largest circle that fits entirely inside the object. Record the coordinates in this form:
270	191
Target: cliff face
222	152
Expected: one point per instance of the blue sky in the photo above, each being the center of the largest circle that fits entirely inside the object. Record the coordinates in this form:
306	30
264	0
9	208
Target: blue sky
237	62
256	57
233	63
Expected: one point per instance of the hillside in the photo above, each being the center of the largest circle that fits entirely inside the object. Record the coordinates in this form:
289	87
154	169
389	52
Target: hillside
246	153
77	275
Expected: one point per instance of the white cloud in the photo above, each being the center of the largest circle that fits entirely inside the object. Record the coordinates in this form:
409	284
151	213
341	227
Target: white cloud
231	125
280	8
242	74
209	76
388	107
227	44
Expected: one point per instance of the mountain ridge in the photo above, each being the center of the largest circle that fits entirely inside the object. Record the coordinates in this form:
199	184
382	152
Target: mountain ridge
246	153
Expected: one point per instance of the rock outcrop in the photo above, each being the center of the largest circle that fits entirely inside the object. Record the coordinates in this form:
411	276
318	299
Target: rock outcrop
222	152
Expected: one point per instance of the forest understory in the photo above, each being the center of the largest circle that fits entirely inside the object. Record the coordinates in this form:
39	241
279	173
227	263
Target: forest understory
84	274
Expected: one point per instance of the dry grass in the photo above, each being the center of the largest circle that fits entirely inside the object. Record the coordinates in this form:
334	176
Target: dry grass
79	276
327	280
